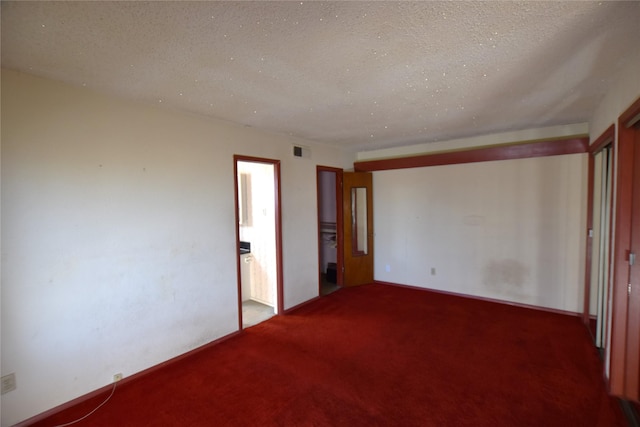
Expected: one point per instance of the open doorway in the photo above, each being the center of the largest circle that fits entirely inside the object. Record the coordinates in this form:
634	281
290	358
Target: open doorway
329	183
600	234
258	239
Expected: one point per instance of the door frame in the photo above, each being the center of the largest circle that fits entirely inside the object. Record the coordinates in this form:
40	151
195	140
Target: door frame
625	339
339	224
278	228
607	138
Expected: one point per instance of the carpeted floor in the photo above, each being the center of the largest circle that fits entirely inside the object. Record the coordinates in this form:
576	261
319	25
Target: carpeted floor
378	355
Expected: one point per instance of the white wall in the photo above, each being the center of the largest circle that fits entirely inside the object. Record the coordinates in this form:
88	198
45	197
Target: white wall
118	242
508	230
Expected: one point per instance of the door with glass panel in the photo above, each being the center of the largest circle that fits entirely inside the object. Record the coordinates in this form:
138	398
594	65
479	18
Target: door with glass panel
358	228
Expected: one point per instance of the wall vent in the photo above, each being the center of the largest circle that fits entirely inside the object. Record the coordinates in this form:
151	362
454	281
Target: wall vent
301	151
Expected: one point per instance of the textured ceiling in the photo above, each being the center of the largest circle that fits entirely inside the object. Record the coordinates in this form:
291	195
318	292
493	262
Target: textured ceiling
363	75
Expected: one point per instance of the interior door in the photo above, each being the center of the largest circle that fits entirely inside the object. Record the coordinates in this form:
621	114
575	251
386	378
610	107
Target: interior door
634	262
633	320
357	202
624	355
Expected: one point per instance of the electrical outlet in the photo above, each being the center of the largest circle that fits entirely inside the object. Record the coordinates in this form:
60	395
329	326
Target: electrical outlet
117	377
433	271
8	383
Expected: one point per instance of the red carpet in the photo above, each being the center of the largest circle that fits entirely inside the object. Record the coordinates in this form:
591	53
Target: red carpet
378	356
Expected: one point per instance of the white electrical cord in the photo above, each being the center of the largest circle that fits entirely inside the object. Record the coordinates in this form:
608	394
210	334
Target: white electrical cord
99	406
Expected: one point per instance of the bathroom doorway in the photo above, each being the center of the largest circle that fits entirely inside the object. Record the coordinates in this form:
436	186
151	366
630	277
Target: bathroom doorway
258	234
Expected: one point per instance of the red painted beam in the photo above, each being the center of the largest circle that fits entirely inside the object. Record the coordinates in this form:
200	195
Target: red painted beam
501	152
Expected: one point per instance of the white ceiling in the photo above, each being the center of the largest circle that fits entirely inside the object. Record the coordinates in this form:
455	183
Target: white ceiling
362	75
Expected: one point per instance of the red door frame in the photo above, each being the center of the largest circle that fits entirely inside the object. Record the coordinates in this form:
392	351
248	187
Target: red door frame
278	216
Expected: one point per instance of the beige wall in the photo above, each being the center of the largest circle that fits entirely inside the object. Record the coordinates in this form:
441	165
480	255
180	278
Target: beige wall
508	230
118	241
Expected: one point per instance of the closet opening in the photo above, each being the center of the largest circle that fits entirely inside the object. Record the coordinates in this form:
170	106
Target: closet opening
330	257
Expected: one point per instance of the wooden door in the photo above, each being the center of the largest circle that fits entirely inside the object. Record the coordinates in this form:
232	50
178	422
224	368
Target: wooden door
357	202
632	356
633	330
624	356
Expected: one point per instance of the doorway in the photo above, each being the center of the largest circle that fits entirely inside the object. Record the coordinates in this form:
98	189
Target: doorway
345	228
258	235
601	168
330	235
